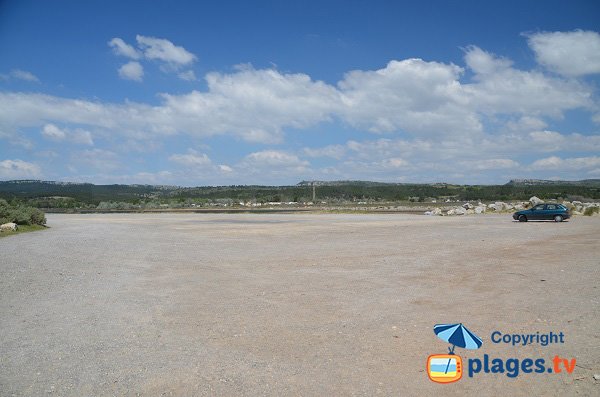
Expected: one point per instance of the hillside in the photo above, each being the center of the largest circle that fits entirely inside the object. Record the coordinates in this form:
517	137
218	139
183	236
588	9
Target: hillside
48	194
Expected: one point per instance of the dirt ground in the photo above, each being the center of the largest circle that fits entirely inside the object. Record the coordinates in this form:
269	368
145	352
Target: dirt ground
288	305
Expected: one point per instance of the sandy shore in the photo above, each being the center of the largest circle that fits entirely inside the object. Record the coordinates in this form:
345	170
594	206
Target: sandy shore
301	304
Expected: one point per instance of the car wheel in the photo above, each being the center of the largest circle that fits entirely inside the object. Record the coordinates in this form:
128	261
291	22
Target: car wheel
522	218
558	218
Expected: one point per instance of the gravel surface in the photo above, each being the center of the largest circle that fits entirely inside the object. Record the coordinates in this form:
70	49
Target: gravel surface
302	304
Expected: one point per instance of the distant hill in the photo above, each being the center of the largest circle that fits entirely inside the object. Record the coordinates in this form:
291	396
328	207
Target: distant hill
49	194
534	182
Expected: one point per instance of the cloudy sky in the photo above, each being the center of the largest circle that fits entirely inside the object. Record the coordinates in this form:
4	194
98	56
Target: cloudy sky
275	92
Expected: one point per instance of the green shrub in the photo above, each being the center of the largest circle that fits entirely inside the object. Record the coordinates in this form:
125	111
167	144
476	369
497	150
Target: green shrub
37	217
589	211
21	215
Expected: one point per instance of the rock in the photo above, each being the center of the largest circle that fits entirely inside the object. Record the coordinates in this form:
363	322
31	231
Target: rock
596	376
498	206
468	206
456	211
479	209
470	212
535	201
518	207
436	211
10	226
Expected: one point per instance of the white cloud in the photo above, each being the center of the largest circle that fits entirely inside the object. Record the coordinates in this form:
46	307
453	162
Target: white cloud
191	159
121	48
574	53
77	136
51	131
164	50
24	75
188	75
151	48
490	164
412	95
394	162
11	169
568	164
19	74
98	159
132	71
275	158
483	63
253	104
82	137
439	122
333	151
501	89
274	165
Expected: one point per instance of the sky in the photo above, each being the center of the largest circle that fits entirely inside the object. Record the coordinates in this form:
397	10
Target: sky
197	93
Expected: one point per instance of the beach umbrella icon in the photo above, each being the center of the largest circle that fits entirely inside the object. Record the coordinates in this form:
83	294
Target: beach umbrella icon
457	335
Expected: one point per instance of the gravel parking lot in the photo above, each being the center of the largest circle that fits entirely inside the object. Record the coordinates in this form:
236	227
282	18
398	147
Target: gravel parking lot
301	304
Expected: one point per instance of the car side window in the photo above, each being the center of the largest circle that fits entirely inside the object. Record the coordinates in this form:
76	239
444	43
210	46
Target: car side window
550	207
539	207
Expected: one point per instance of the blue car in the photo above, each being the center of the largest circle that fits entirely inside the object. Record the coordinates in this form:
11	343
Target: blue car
543	212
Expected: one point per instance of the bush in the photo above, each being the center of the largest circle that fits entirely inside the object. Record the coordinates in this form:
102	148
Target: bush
589	211
21	215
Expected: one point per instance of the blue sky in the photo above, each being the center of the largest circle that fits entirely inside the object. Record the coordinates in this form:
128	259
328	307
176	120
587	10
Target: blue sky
273	92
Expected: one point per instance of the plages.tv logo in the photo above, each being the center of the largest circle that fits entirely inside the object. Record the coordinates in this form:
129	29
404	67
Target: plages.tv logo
448	368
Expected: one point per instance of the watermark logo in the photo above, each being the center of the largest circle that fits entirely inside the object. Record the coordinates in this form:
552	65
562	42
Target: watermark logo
444	368
448	368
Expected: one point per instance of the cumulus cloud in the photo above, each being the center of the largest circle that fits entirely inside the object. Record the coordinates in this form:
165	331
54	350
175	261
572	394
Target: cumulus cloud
574	164
121	48
18	74
490	164
51	131
418	98
254	104
333	151
24	75
171	57
502	89
574	53
275	158
164	50
132	71
12	169
433	116
98	159
414	96
484	63
188	75
191	159
273	164
78	136
82	137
